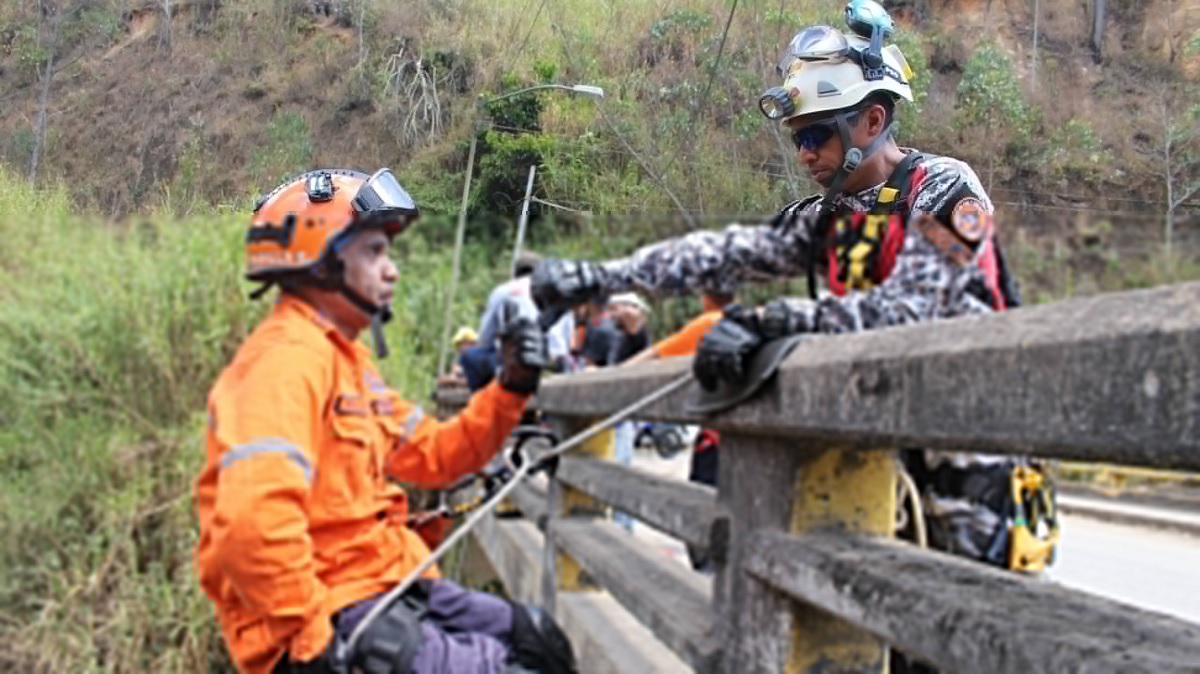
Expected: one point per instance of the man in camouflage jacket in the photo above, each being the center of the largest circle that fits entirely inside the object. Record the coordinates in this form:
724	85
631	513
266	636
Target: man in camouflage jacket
902	237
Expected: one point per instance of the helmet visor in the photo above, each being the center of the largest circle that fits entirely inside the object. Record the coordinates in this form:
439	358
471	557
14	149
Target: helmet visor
815	43
382	201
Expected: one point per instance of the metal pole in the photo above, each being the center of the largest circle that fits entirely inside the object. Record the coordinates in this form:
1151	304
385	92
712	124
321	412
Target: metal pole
524	219
458	244
1033	69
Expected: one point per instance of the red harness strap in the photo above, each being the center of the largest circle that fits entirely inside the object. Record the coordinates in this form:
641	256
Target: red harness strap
887	248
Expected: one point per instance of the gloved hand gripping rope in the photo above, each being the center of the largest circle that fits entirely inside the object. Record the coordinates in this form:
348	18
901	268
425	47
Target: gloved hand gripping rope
527	467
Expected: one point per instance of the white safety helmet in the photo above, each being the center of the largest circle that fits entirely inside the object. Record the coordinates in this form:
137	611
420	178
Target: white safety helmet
826	70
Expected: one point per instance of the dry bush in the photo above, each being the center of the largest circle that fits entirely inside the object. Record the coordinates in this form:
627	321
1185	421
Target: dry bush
411	89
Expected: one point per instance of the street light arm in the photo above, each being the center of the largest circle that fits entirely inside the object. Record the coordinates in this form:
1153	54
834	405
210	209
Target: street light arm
588	90
585	89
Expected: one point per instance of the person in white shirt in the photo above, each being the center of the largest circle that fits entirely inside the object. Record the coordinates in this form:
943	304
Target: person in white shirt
479	363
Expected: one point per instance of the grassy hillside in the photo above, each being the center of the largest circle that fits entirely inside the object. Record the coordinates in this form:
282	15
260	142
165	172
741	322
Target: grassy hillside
111	331
135	109
213	100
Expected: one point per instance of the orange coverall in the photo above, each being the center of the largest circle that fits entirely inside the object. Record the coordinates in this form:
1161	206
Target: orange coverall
297	517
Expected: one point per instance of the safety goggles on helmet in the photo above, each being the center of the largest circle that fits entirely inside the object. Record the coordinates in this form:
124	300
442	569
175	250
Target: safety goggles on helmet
381	199
823	45
811	45
866	18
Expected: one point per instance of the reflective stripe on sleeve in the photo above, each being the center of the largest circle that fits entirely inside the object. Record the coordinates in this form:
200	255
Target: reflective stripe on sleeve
268	446
414	418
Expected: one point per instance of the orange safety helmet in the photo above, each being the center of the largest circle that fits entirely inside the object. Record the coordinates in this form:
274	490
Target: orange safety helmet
300	224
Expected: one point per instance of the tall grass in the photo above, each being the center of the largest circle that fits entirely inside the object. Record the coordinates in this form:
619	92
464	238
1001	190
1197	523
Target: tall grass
110	336
107	335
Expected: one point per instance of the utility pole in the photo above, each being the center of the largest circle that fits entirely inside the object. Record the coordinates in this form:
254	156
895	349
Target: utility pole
1098	17
1037	6
39	131
524	219
458	244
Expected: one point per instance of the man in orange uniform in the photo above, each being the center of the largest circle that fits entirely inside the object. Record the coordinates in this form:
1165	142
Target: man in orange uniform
300	528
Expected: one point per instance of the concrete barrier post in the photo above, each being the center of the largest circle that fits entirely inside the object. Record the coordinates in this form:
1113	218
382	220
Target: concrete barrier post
787	486
561	572
850	491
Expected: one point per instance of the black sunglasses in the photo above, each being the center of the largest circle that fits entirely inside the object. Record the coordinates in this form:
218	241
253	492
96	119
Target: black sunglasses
811	137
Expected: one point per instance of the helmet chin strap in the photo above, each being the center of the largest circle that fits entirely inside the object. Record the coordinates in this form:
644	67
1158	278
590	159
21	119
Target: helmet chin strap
378	313
853	157
851	160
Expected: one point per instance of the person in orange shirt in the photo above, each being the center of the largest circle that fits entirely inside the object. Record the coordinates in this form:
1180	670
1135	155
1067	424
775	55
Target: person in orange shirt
687	339
301	526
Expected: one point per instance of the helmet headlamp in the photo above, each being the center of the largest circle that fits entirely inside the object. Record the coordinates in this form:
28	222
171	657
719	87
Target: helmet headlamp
776	103
823	45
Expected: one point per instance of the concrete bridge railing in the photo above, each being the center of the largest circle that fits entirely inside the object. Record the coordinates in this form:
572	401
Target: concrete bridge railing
809	577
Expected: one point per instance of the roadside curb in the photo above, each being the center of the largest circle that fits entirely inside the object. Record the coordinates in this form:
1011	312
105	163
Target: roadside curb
1172	519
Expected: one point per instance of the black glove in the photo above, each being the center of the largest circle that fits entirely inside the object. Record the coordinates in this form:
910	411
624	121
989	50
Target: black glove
557	285
725	349
523	355
779	319
559	364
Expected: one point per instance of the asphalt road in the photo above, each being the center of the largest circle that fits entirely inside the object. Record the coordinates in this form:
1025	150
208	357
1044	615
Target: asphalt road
1148	568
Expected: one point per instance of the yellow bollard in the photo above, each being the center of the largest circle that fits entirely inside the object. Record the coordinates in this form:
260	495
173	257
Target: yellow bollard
601	447
853	491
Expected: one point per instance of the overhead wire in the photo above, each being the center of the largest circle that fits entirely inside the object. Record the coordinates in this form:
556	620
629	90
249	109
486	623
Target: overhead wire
712	74
532	26
777	170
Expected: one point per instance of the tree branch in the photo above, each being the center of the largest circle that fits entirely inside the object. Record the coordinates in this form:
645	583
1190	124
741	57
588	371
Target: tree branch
1188	192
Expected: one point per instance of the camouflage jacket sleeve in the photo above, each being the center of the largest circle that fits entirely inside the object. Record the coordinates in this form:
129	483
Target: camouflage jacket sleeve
947	182
717	260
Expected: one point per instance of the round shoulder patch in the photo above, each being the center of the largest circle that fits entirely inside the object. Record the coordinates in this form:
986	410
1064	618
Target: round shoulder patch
971	220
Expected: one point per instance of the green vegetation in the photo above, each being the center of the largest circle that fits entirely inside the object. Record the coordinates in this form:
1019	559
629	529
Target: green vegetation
991	106
104	335
111	332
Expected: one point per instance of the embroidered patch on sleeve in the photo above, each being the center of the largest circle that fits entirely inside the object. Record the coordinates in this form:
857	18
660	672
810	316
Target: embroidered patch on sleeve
971	220
945	240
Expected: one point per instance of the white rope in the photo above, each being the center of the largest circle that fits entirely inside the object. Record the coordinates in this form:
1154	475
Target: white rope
528	465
